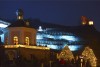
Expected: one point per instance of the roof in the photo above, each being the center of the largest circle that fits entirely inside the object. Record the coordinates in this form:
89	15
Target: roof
19	23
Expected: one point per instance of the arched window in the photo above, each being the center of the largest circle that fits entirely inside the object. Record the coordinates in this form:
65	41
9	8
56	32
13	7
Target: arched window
15	40
27	40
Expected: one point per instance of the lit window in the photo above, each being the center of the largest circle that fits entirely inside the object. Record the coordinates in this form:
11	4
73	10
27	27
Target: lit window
90	22
27	40
15	40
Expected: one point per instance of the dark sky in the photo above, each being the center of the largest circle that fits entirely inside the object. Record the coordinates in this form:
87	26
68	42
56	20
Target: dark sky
53	11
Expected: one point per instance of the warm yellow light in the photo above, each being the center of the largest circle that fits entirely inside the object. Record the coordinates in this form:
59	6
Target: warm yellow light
26	46
83	23
90	22
27	40
15	40
20	17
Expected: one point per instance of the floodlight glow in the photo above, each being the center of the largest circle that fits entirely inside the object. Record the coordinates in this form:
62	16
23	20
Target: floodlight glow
49	36
52	46
3	25
74	47
39	37
72	38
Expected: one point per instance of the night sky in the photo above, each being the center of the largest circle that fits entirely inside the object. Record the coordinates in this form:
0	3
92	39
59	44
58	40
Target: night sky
59	12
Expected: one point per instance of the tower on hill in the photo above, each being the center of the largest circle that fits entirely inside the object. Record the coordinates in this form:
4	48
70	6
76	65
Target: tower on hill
86	21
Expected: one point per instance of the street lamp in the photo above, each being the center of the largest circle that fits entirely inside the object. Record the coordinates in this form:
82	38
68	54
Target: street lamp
81	61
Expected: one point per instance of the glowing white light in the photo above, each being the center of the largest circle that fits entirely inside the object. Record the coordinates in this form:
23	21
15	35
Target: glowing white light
74	47
40	28
3	25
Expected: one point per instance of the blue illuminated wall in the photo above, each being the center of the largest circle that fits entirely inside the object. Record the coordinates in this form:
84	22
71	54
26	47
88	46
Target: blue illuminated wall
2	37
57	39
3	25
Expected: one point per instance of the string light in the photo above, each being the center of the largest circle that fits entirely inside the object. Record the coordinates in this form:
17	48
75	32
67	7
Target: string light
26	46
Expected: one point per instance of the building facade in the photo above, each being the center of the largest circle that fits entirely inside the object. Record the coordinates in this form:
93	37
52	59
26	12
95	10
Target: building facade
20	41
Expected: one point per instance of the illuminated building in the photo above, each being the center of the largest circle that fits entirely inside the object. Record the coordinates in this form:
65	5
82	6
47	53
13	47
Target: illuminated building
20	32
20	39
58	37
33	38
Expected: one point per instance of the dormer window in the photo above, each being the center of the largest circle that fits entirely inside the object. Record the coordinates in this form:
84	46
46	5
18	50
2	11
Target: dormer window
15	40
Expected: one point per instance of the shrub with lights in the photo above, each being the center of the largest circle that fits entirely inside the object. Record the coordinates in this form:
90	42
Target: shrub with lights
65	54
89	54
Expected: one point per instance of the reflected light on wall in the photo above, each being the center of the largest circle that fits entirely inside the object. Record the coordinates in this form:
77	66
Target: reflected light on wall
49	36
39	37
2	37
72	38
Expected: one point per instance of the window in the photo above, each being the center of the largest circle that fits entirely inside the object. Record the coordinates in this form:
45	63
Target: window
27	40
15	40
